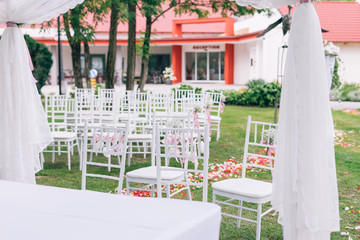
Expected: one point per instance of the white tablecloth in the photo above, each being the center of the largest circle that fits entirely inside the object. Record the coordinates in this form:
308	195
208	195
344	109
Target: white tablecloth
42	213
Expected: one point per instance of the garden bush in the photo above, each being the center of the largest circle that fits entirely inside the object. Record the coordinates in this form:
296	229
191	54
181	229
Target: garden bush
259	93
42	60
256	82
262	95
348	92
354	96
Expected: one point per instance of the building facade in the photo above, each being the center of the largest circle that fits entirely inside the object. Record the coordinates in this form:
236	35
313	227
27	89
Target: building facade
215	49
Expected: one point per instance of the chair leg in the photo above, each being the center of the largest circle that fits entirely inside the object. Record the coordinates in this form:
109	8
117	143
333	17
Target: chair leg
127	187
80	153
72	148
168	190
239	213
258	222
152	190
189	193
145	149
69	155
42	160
53	154
59	148
214	197
109	162
119	160
129	153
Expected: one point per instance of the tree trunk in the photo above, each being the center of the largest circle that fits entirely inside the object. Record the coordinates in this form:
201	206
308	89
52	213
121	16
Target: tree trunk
87	63
74	43
145	55
75	55
131	51
111	56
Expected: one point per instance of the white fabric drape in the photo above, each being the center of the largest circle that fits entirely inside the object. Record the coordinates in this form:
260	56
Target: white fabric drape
305	186
33	11
304	182
24	131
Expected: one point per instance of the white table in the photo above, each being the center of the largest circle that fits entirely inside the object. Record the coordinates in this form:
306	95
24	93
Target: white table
42	213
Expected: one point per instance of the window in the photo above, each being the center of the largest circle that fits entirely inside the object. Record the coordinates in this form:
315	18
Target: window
204	66
97	61
190	66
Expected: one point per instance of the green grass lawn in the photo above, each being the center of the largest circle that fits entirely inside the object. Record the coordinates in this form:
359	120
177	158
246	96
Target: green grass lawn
231	144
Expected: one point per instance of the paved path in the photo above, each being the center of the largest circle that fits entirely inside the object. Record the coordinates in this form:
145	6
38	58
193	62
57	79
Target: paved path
205	86
344	105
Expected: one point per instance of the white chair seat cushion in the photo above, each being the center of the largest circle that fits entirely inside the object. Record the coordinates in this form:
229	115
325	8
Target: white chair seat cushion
133	137
150	173
245	187
63	135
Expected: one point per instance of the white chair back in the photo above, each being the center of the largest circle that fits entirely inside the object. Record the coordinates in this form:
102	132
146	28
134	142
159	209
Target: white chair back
186	148
84	105
109	141
56	108
260	145
213	99
161	102
106	93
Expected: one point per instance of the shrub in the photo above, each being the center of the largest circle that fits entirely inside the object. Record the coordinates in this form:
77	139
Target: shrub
346	89
354	96
348	92
255	82
258	95
336	78
42	60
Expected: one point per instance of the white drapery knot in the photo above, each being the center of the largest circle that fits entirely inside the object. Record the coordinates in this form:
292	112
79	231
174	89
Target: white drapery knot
11	24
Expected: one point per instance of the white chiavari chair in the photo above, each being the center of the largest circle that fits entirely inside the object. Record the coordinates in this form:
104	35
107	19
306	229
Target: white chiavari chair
179	153
259	154
64	137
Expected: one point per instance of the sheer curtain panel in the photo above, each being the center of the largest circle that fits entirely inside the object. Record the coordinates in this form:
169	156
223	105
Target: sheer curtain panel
304	183
24	131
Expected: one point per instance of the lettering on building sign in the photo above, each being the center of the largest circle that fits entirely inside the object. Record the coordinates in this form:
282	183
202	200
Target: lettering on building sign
206	47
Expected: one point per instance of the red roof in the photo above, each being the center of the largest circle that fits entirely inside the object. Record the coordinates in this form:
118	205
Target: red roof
341	19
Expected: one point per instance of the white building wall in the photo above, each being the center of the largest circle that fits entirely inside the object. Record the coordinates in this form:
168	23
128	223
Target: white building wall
350	56
271	44
248	61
